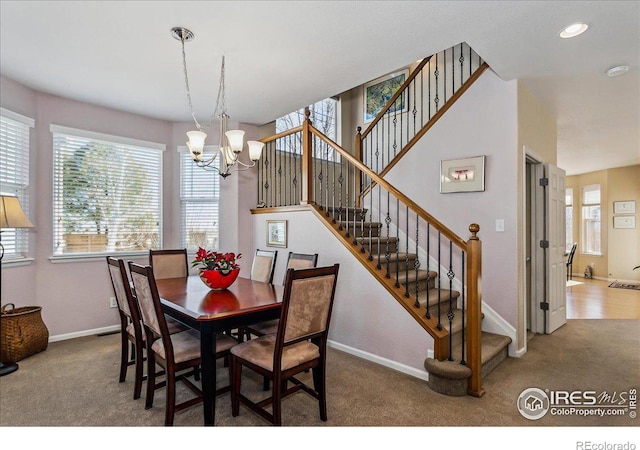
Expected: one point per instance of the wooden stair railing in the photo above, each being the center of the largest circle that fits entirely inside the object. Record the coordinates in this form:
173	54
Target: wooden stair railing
408	250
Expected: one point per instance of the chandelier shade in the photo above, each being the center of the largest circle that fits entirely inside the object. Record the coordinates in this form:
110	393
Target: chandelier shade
231	142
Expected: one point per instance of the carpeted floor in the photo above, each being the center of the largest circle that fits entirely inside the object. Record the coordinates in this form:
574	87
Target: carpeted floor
74	383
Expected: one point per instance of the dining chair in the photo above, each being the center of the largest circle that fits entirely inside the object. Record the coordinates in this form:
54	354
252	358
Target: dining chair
178	354
131	328
263	266
169	263
570	261
294	261
299	344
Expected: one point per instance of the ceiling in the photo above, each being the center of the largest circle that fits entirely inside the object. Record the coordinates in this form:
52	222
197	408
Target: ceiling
281	56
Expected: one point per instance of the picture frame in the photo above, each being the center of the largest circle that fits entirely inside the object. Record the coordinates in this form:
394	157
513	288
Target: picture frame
378	92
624	222
276	233
624	207
462	175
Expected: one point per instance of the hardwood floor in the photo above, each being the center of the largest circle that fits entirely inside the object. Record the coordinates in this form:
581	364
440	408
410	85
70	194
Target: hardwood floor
594	299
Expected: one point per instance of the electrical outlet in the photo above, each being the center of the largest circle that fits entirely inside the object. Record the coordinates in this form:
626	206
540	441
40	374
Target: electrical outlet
112	302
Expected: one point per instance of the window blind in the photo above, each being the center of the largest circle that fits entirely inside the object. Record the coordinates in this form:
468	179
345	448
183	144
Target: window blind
14	176
107	193
199	201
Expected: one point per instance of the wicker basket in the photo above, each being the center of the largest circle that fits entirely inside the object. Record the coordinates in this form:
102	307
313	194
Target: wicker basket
22	332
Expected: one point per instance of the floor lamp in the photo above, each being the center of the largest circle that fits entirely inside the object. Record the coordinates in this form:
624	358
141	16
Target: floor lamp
11	216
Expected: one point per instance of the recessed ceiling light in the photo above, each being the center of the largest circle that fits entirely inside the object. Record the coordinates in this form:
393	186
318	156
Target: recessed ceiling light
573	30
617	71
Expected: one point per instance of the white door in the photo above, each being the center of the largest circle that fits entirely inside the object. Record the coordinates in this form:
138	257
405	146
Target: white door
556	271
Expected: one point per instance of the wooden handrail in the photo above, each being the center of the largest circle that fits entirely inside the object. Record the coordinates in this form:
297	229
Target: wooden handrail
395	96
282	134
446	232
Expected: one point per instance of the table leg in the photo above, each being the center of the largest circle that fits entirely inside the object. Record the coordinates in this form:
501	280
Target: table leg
207	360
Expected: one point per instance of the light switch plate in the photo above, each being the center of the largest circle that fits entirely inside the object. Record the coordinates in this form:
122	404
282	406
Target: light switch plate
500	225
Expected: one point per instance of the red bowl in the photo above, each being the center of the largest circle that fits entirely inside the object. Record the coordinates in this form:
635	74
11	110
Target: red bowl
215	279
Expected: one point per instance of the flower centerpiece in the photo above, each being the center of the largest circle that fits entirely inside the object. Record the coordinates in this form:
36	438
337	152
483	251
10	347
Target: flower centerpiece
217	270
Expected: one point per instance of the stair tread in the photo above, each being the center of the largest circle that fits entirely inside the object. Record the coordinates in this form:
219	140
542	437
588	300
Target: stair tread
492	344
393	257
411	276
433	296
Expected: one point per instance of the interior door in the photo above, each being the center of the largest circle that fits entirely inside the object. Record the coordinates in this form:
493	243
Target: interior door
556	288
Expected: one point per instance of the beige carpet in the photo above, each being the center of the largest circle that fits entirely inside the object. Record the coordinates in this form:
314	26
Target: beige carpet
74	383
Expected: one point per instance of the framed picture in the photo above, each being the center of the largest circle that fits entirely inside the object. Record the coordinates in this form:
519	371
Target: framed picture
627	207
276	233
627	222
462	175
379	91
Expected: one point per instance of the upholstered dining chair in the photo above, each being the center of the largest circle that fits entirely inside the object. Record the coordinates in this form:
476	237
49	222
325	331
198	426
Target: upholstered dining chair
264	265
131	328
299	344
295	261
175	353
169	263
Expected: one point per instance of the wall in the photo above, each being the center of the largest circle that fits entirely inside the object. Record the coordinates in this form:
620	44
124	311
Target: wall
620	247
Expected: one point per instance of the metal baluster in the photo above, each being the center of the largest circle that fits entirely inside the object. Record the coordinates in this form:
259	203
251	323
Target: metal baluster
363	218
428	313
422	97
429	89
462	361
346	197
397	243
296	201
450	313
280	178
444	75
387	221
320	176
266	174
461	59
436	74
326	184
370	219
371	222
333	184
355	205
438	285
453	70
416	263
415	110
406	255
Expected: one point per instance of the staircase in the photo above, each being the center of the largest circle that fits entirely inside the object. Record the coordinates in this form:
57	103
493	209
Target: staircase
433	273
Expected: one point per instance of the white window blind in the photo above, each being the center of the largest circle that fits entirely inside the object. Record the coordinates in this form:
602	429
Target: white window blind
107	193
14	176
199	202
591	226
569	218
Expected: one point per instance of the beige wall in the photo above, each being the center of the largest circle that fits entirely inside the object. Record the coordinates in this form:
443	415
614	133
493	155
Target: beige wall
620	247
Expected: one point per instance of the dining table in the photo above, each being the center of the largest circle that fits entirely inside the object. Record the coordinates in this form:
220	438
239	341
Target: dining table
209	311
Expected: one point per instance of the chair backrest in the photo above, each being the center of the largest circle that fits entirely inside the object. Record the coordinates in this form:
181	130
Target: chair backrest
264	264
122	289
149	303
306	306
299	261
169	263
572	252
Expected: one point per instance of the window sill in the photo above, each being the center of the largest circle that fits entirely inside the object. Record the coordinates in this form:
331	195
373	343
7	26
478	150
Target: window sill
17	262
63	259
591	254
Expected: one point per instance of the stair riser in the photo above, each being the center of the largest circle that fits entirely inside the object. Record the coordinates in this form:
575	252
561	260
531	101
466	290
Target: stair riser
383	247
359	231
423	285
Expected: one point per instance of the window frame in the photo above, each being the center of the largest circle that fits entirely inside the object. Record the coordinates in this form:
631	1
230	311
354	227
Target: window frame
586	208
20	188
569	219
102	138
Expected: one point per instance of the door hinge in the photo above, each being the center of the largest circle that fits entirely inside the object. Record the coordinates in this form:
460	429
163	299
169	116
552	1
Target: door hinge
544	182
544	244
544	306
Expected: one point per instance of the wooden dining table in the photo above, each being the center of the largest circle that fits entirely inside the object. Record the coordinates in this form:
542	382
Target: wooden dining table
245	302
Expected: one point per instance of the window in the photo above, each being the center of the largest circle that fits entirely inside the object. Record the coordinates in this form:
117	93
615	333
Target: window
106	193
199	201
14	176
591	219
323	116
568	200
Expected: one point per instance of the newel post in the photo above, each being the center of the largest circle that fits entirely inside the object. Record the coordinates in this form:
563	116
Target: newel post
307	161
474	311
358	154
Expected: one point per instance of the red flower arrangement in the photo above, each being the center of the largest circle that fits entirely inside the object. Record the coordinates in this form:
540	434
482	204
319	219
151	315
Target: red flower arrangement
223	262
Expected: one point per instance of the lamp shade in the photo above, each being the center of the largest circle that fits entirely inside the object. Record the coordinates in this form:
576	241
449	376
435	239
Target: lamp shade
235	138
11	213
196	143
255	149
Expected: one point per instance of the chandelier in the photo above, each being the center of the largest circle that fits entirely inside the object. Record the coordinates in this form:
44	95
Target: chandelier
226	159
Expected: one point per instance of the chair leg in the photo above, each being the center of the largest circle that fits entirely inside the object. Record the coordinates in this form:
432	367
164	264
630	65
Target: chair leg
235	375
139	369
277	400
171	396
124	356
151	379
319	384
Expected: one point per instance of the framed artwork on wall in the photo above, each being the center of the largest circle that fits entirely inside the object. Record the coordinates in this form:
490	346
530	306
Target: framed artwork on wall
276	233
625	207
379	91
624	222
462	175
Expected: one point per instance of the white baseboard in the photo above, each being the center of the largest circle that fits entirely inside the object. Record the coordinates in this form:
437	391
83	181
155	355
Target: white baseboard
77	334
421	374
494	323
